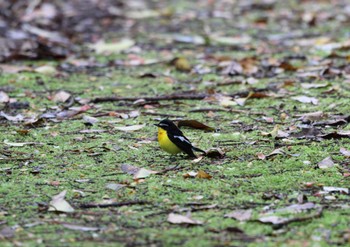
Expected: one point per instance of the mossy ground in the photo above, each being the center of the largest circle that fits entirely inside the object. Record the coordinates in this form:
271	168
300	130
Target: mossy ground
64	158
239	180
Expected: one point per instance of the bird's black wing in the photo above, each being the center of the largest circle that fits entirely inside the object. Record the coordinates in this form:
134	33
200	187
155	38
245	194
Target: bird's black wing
181	142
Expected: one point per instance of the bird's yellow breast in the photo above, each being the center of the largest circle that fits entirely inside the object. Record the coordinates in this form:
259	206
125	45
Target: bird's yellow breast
165	142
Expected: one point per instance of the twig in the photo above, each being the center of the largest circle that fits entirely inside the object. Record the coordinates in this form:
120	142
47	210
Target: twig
300	219
116	204
173	168
184	96
151	98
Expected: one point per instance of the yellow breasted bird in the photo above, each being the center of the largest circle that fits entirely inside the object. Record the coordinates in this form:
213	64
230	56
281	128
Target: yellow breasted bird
172	140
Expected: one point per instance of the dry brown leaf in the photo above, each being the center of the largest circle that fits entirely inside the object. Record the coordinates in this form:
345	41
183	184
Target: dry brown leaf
203	174
194	124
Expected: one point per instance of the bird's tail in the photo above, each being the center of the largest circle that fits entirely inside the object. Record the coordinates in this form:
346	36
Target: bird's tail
198	150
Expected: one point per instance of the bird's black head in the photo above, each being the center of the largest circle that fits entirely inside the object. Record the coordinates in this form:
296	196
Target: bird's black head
166	124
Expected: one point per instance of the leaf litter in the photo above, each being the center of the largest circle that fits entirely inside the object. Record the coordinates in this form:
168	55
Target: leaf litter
295	81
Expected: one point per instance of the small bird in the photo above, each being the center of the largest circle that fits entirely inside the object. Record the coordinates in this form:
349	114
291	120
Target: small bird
172	140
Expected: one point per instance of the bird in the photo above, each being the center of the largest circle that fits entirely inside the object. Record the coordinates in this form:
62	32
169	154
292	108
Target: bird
172	140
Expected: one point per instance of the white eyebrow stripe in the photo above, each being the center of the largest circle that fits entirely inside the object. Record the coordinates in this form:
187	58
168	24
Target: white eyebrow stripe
163	124
183	139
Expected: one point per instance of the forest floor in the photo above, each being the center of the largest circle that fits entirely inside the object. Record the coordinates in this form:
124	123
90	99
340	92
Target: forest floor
263	86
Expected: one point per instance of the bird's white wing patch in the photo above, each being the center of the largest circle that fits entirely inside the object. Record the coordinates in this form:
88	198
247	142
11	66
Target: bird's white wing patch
183	139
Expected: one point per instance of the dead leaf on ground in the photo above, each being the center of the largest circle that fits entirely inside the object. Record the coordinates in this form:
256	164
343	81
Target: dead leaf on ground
215	153
191	174
46	69
130	128
80	228
314	85
59	204
114	186
13	69
203	174
21	144
90	120
101	47
143	173
345	152
306	99
7	232
307	133
312	116
17	118
326	163
180	219
297	208
194	124
4	98
275	220
138	172
240	215
336	189
61	96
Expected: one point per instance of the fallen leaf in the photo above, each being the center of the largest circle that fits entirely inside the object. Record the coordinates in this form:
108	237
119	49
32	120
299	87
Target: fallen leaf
16	118
21	144
129	169
13	69
238	40
131	127
197	160
191	174
61	96
46	69
306	99
92	131
312	116
194	124
345	152
203	174
215	153
275	152
142	14
59	204
326	163
80	228
336	189
143	173
115	187
4	98
189	39
241	215
90	120
313	85
275	220
7	232
297	208
180	219
137	171
109	48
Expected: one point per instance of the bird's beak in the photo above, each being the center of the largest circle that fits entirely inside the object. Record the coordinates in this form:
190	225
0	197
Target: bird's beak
156	125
